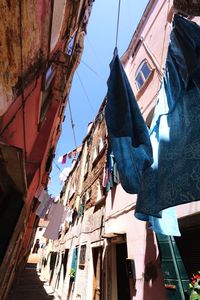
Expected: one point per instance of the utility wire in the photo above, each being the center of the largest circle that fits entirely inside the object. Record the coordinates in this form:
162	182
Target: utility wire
86	95
92	70
22	84
20	107
94	50
72	124
57	166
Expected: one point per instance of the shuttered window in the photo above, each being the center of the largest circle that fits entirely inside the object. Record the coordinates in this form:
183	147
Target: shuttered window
175	277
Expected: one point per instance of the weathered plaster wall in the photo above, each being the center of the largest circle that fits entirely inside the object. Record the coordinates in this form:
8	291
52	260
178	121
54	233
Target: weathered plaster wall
141	243
22	23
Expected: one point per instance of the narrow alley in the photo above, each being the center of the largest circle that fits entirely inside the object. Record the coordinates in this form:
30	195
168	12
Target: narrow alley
99	150
29	286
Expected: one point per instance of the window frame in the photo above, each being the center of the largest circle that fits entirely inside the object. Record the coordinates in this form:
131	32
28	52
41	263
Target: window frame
46	92
140	73
82	256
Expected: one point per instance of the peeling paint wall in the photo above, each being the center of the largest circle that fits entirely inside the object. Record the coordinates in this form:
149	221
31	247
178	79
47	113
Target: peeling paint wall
23	23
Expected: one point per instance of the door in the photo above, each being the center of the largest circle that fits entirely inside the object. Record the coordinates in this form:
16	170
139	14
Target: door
123	289
97	277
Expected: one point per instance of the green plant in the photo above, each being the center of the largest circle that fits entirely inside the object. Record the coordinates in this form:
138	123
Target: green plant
194	285
72	273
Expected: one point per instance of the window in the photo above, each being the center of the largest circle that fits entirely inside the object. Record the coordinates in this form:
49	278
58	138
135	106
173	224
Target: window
142	74
101	144
95	154
70	46
46	94
82	256
98	148
87	164
72	189
49	76
87	196
99	191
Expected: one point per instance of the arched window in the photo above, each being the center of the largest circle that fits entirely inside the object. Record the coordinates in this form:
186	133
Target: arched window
142	74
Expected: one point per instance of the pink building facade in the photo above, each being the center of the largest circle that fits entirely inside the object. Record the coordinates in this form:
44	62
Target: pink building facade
156	275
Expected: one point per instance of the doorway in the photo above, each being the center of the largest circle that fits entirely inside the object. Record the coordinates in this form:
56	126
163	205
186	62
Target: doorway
97	277
123	289
189	248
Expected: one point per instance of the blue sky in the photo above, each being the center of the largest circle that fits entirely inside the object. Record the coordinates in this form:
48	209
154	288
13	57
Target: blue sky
97	54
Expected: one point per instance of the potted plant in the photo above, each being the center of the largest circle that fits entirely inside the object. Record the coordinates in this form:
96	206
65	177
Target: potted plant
194	285
72	274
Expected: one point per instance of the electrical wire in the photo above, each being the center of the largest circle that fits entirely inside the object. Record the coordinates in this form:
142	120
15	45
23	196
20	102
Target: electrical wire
72	124
22	84
16	112
85	92
92	70
94	50
57	166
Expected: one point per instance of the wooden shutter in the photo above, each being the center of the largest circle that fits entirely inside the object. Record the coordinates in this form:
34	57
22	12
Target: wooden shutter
175	277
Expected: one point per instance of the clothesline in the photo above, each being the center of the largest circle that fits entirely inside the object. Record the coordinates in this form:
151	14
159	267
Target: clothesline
72	154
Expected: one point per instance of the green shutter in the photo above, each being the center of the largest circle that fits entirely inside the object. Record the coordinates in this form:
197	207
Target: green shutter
175	277
74	260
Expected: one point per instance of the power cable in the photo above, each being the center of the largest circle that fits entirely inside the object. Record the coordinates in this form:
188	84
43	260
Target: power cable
92	70
22	84
84	90
57	166
72	124
20	107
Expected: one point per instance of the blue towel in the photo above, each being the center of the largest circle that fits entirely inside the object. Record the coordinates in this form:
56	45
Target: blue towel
174	177
128	133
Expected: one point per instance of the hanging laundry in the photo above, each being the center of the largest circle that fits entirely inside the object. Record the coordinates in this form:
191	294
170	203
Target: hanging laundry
40	193
167	224
68	218
39	190
63	158
111	175
174	177
128	133
126	130
45	204
52	230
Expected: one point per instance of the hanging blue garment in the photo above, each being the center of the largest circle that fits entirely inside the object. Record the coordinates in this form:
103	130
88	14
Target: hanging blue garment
111	171
174	177
167	224
128	133
126	129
